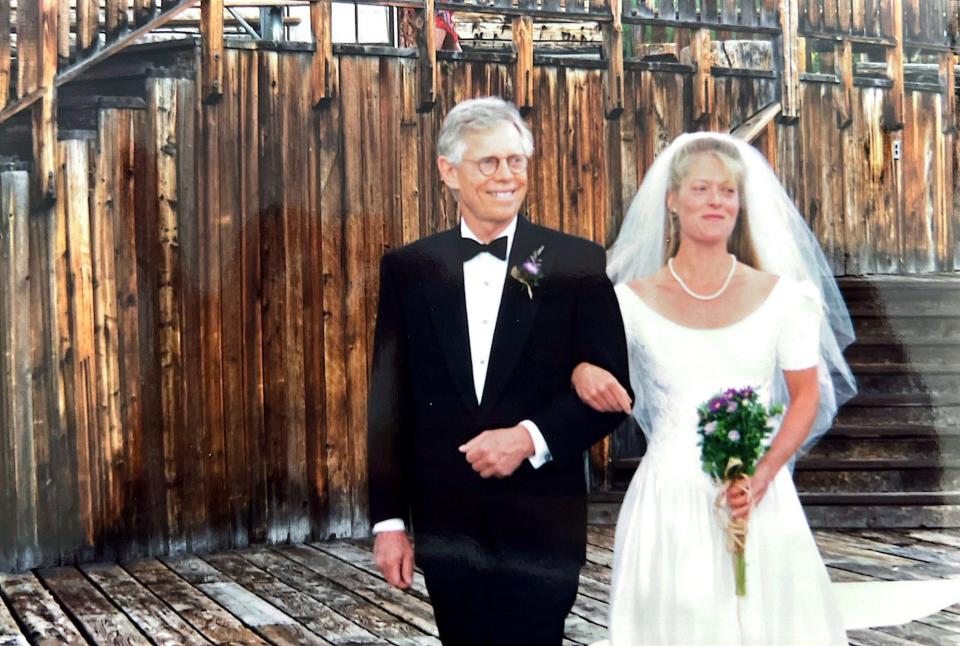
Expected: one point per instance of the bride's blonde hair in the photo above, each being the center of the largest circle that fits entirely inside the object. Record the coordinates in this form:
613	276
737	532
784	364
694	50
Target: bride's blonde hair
740	243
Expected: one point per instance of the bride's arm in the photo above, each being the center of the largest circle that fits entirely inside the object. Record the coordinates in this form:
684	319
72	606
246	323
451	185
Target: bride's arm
804	401
599	389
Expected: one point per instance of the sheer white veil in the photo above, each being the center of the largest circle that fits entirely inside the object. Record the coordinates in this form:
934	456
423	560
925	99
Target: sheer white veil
785	246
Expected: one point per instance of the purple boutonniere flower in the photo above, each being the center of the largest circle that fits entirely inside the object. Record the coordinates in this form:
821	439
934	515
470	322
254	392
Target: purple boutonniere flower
528	272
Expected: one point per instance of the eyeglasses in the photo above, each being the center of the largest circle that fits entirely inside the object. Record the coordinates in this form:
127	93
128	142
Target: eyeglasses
489	165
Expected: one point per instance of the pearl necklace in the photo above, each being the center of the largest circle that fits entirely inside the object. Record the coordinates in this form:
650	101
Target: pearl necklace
701	297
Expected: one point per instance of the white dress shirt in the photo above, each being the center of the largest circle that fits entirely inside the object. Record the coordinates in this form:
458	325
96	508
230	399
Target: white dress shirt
483	279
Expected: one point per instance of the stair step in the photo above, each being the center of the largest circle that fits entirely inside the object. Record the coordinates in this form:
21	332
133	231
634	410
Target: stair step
891	431
890	480
838	447
883	498
892	415
902	400
874	464
943	353
907	327
883	368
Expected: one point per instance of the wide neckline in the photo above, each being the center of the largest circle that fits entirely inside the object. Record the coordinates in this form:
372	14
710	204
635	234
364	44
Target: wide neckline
738	322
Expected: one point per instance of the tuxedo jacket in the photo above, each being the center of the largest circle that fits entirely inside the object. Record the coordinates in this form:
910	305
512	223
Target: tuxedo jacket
422	402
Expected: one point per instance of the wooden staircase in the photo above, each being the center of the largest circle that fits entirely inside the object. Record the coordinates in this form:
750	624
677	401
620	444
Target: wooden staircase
892	458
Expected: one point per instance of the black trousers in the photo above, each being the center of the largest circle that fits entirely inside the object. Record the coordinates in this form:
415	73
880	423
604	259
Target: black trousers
489	595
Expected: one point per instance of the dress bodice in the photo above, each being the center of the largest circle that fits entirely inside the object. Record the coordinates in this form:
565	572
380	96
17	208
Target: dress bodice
674	368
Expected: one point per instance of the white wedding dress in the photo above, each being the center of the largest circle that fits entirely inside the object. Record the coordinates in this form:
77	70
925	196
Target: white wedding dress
673	579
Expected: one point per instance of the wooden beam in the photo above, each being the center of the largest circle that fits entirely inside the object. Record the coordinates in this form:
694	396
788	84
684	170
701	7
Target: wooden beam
44	111
4	53
63	32
143	11
893	98
323	70
947	73
427	56
211	30
845	104
116	14
28	47
522	28
756	125
613	50
20	105
124	41
88	26
703	84
789	60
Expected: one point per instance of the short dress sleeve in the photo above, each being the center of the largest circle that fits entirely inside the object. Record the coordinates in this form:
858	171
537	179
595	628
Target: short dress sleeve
798	346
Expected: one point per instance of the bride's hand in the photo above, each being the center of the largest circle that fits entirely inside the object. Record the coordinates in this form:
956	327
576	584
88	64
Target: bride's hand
747	493
600	390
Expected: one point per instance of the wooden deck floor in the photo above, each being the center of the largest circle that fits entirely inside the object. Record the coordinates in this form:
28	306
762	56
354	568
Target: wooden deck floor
330	593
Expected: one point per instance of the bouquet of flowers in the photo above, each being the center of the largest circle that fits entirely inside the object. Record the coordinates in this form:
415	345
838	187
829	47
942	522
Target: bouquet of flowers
733	426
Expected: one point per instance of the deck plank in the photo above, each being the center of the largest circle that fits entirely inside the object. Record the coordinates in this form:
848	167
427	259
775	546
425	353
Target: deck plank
10	634
98	617
406	607
196	608
339	598
314	615
265	619
44	620
145	609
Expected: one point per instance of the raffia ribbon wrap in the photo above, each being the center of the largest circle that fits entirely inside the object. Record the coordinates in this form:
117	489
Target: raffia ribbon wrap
735	528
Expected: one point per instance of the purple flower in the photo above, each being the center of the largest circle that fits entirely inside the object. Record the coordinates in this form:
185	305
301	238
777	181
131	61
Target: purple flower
731	407
730	392
531	267
709	428
717	403
734	435
747	392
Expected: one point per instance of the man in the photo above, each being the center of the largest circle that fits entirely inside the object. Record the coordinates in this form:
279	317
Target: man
474	431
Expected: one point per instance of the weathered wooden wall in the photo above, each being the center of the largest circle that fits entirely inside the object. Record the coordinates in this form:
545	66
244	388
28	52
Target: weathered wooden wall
186	331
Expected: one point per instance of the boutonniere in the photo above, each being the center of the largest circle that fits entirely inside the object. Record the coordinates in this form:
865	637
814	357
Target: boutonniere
528	272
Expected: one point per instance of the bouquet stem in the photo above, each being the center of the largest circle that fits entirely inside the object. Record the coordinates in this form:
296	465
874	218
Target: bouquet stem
740	571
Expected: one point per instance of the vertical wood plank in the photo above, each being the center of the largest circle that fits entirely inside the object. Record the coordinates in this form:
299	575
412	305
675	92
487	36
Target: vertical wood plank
72	187
703	83
136	525
323	77
427	56
162	111
210	232
845	104
28	47
710	11
5	77
335	496
201	461
894	97
831	15
668	10
295	77
729	14
813	15
858	15
228	231
844	19
103	217
211	44
116	18
44	111
272	252
16	394
143	11
523	68
251	293
687	10
748	12
410	156
789	60
63	32
545	203
88	26
613	51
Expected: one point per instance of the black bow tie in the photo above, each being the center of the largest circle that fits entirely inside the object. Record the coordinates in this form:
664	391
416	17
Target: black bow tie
470	248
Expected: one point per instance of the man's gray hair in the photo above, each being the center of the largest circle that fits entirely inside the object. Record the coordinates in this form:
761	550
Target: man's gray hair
478	115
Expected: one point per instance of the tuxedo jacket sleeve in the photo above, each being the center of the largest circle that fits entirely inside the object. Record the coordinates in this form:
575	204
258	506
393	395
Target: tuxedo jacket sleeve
388	404
568	425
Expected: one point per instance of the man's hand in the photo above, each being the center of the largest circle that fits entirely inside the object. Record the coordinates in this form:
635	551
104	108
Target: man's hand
499	452
393	555
600	390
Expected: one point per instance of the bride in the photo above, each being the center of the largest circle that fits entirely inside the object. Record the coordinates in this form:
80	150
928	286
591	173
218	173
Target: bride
722	285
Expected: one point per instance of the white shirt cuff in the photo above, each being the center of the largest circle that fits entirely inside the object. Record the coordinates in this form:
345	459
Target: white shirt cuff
541	452
390	525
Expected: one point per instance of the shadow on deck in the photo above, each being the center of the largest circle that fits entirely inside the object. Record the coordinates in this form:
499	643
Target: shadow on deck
331	593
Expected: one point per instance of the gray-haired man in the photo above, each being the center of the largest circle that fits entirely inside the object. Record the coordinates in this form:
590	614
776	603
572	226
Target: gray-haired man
474	432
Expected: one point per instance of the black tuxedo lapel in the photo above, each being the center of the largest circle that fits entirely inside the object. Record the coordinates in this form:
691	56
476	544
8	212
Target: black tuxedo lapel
517	313
448	308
